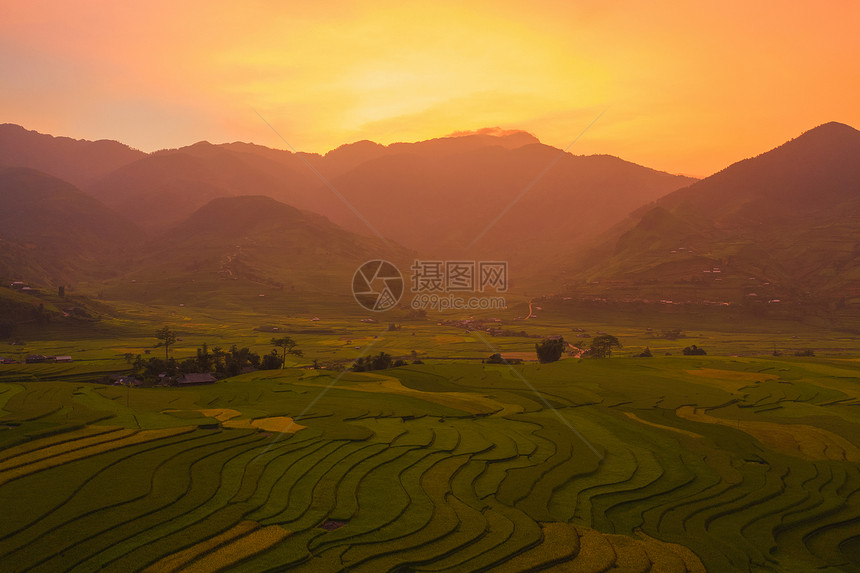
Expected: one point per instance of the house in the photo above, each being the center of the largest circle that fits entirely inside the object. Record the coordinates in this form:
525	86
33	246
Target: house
63	359
7	361
36	359
127	381
196	378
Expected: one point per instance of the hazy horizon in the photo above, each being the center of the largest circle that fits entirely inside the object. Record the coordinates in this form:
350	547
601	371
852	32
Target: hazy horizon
686	89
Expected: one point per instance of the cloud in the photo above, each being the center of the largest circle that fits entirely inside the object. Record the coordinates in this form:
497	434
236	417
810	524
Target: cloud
494	131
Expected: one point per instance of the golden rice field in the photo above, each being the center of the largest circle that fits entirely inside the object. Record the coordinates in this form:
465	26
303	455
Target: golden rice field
684	464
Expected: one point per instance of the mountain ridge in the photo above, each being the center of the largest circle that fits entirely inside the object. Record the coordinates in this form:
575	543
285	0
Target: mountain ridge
54	233
250	244
781	226
78	161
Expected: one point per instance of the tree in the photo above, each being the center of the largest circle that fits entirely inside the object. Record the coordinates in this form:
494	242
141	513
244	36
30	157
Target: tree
271	361
601	346
166	338
550	349
645	353
694	351
204	358
149	370
367	363
237	359
189	366
381	361
288	345
219	358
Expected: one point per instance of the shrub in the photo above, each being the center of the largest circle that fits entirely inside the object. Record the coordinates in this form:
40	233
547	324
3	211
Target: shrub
271	361
497	359
549	349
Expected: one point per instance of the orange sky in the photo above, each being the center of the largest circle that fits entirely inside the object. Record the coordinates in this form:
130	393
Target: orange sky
688	87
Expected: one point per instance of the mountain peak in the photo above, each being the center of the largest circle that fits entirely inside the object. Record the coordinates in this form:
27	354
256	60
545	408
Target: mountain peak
262	204
784	219
498	132
818	168
832	127
833	145
357	151
507	138
831	133
238	215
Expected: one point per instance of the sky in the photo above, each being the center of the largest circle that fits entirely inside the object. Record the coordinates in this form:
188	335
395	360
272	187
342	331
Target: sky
685	87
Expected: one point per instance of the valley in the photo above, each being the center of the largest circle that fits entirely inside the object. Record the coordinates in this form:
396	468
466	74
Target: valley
718	432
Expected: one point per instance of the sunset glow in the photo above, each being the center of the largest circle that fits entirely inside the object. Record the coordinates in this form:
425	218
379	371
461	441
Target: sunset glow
686	87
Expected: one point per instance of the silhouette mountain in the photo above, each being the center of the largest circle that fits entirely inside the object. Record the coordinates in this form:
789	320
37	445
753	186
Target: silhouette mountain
435	196
163	188
78	161
440	204
250	244
781	226
51	232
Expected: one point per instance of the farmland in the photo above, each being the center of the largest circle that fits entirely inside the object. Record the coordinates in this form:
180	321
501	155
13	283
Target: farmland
672	463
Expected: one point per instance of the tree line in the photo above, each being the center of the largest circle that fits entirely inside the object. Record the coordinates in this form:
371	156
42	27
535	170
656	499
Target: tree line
221	362
552	349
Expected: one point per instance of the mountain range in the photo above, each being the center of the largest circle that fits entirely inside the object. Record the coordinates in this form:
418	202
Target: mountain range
80	162
782	226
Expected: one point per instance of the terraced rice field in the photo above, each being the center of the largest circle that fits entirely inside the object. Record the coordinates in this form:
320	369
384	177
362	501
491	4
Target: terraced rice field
668	464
